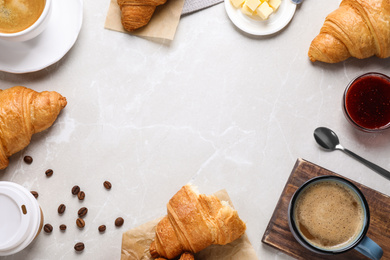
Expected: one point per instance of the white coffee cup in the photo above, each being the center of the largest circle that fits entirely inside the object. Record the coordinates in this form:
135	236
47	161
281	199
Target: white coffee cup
34	30
21	218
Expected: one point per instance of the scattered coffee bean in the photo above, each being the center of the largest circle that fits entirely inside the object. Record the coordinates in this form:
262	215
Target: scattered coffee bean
75	190
81	195
102	228
48	228
49	172
61	209
62	227
119	222
28	159
79	247
80	222
35	194
82	212
107	185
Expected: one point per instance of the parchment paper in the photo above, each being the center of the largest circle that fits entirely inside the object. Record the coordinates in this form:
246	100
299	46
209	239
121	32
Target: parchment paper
163	24
136	243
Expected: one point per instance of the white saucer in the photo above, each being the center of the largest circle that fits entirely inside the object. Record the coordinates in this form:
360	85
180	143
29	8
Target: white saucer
48	47
275	22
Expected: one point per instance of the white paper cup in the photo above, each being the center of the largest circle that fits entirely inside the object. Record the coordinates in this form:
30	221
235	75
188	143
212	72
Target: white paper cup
21	218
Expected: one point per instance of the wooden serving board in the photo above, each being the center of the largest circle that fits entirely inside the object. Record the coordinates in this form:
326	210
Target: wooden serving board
278	234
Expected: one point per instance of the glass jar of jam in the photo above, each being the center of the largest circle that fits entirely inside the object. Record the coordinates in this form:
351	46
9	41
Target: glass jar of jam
366	102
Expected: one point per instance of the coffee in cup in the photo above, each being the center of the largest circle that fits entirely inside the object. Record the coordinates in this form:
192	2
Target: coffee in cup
23	20
329	215
18	15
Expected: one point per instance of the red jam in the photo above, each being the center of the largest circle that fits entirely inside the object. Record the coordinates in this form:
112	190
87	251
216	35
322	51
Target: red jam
367	101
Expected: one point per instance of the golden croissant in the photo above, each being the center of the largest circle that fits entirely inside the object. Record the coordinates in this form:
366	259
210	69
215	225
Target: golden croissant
184	256
137	13
194	222
358	28
24	112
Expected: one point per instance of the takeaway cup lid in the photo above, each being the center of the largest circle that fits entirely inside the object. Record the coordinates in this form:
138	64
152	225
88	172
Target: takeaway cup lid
20	217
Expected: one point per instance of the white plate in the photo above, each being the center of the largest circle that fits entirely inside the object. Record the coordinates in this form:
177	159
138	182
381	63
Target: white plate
275	22
48	47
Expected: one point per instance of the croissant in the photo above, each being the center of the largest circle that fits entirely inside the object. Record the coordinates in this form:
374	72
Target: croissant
24	112
194	222
184	256
358	28
137	13
187	256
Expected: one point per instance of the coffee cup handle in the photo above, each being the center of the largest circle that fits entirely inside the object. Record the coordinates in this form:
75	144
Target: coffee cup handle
369	248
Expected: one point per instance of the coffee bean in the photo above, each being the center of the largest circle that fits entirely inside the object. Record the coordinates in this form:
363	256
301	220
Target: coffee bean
49	172
79	247
81	195
61	209
35	194
102	228
62	227
82	212
75	190
28	159
119	222
80	222
48	228
107	185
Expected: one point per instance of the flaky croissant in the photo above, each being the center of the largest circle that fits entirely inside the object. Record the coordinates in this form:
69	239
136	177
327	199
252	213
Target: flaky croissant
194	222
358	28
137	13
187	256
184	256
24	112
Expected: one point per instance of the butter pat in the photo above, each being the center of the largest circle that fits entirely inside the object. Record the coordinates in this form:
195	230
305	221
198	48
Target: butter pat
237	3
256	9
274	3
252	4
264	10
246	10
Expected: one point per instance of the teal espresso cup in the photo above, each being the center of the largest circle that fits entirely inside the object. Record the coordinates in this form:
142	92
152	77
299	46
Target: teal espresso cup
329	215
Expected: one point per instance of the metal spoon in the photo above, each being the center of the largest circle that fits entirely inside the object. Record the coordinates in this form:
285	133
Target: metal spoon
328	139
297	1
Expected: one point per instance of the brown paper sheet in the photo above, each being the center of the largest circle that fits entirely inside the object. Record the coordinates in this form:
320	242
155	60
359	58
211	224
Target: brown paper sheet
136	243
163	24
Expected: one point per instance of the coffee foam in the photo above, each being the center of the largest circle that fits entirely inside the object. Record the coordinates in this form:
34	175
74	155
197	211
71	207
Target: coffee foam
18	15
329	215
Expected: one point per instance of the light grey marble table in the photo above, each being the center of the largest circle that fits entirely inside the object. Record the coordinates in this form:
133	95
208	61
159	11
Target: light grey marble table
214	107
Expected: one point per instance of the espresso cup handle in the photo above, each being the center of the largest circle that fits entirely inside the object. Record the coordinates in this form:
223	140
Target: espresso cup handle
369	248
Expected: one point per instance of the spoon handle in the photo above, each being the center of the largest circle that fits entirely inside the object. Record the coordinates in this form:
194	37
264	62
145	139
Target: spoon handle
296	1
369	164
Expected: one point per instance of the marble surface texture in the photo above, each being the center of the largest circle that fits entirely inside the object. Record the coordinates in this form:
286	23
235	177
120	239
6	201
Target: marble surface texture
214	107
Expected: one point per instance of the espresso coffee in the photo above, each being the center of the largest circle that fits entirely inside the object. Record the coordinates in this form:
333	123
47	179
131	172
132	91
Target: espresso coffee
18	15
329	215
